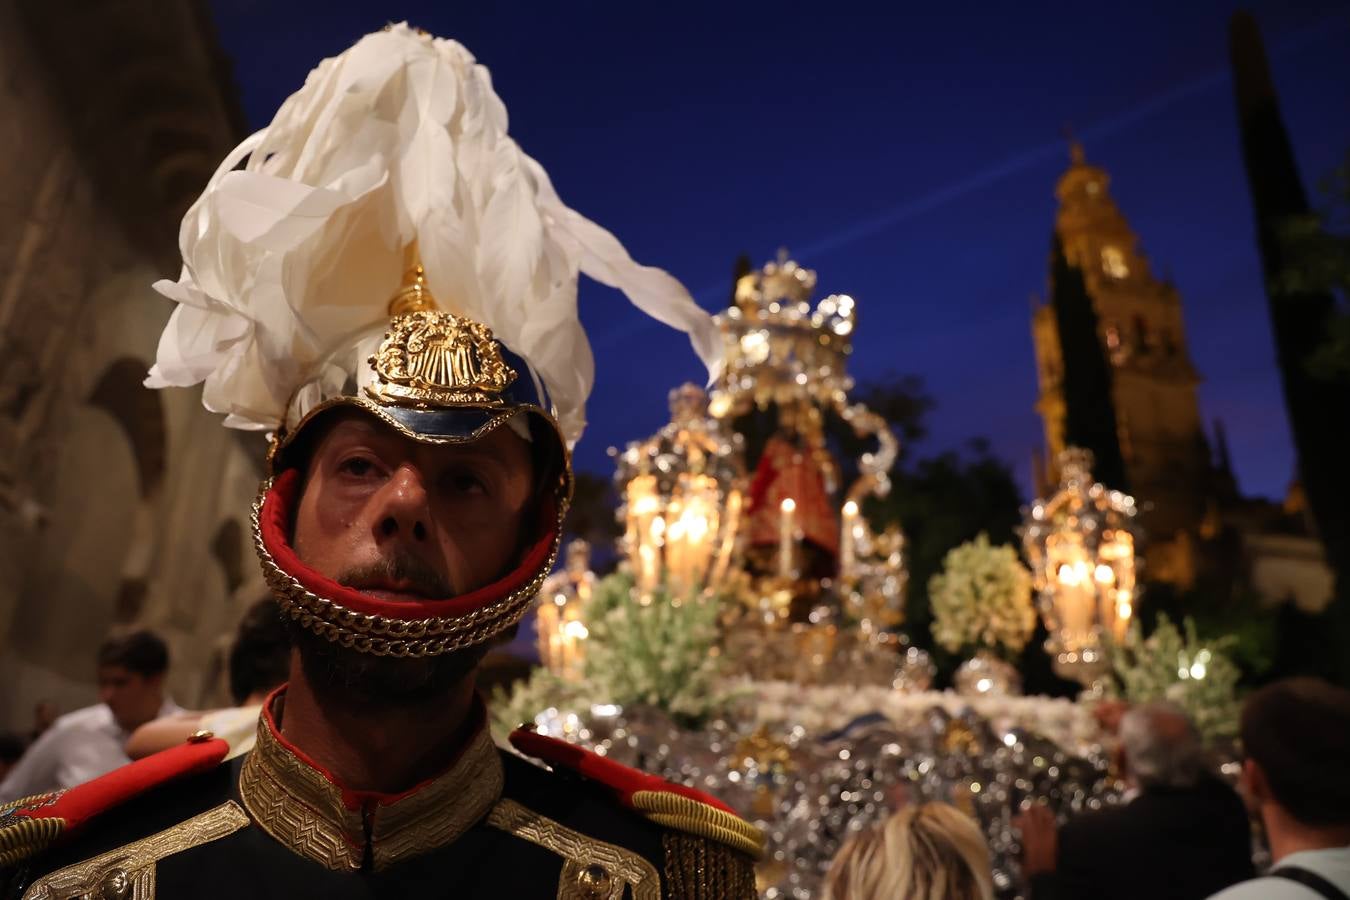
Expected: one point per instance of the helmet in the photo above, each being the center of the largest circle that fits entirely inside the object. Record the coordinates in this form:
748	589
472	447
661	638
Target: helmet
384	245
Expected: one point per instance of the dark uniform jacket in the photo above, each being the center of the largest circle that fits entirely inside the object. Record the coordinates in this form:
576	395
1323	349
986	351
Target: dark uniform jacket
1166	844
272	824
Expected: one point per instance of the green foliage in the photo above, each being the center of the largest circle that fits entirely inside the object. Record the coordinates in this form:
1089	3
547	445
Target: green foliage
1225	609
661	654
1180	667
1316	251
982	599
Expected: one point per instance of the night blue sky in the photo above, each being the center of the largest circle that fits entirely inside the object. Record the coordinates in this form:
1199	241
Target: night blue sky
909	155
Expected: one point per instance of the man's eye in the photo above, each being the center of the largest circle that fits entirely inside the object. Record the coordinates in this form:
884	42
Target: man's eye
466	483
357	465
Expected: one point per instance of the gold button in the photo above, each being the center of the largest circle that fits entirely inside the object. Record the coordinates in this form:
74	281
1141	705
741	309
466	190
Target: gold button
201	737
114	885
594	881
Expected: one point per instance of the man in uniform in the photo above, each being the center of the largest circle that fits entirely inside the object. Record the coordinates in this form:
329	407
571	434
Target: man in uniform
388	284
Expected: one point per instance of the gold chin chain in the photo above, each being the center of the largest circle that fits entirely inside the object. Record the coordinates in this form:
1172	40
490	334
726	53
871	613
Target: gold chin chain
383	636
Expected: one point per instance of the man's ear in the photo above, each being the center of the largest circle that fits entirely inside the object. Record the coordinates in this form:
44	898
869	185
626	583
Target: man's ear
1254	784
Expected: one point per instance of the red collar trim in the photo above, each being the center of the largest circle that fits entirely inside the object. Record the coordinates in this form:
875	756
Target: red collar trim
622	781
274	521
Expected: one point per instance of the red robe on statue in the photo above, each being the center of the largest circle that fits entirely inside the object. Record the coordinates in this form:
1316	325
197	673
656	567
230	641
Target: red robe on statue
784	471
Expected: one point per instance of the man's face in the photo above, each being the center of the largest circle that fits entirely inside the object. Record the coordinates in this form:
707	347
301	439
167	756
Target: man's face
134	699
402	520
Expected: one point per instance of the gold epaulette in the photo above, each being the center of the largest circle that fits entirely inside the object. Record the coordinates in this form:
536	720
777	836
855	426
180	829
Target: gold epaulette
25	831
709	852
701	819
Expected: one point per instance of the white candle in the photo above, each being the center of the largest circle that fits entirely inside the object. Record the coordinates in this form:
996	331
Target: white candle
846	538
786	536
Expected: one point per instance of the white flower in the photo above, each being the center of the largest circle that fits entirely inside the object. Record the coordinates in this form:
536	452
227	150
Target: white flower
982	597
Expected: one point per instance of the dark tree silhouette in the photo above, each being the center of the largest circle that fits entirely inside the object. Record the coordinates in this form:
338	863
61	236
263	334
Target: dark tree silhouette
1300	319
1089	408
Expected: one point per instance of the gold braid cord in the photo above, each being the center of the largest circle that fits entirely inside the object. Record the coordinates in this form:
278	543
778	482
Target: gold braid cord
381	636
129	872
699	819
25	836
701	869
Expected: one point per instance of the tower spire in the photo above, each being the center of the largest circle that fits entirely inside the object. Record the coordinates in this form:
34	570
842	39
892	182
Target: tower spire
1076	156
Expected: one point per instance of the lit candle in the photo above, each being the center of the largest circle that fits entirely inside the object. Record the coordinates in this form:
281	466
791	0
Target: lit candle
653	551
786	536
574	632
1124	609
846	538
1075	600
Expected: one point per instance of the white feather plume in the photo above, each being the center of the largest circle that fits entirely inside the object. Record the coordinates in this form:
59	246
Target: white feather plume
295	255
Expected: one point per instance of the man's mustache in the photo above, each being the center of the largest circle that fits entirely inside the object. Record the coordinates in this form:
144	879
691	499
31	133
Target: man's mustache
401	567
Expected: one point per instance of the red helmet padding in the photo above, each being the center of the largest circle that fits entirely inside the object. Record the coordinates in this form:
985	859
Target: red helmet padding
620	779
275	524
85	801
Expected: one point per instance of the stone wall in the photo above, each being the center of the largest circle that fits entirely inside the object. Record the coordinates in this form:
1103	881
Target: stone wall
117	504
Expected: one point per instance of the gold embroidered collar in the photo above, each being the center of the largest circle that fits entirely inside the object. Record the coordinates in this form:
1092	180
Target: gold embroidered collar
303	808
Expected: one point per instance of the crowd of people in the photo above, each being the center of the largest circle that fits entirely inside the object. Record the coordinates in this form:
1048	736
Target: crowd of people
135	717
1182	833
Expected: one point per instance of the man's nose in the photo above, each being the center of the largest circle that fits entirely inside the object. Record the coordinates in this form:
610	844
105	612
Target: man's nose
404	506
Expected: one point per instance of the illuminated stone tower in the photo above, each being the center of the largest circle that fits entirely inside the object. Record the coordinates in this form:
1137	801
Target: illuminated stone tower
1153	380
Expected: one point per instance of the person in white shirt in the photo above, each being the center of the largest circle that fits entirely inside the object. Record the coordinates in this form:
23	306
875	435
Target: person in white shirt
89	742
1296	737
260	659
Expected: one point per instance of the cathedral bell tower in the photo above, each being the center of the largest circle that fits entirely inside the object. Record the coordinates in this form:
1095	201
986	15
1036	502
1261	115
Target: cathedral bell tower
1153	381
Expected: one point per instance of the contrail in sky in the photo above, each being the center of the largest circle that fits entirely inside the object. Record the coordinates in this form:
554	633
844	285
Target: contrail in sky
1011	165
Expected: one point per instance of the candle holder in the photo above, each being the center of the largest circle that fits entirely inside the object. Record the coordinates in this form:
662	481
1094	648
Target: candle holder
559	629
681	496
1081	546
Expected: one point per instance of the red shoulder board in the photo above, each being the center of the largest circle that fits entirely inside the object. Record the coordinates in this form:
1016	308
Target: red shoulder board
32	824
663	802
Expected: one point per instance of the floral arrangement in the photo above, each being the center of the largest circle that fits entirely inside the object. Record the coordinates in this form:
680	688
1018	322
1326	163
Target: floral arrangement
661	654
981	599
1176	665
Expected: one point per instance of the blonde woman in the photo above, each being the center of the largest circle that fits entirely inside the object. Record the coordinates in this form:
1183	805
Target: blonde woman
931	851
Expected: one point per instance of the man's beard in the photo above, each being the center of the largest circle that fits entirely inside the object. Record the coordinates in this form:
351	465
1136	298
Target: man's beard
349	678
